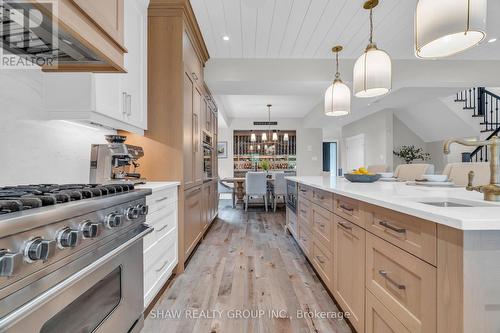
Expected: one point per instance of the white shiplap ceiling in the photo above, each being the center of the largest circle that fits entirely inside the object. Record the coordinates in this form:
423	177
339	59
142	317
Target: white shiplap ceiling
309	28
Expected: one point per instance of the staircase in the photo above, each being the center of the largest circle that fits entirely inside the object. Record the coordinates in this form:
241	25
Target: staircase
484	105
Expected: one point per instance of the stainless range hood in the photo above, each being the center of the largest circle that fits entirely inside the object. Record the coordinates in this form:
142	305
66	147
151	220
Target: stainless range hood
31	31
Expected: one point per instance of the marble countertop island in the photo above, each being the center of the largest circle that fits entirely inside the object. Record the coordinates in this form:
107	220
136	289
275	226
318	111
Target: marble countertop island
408	199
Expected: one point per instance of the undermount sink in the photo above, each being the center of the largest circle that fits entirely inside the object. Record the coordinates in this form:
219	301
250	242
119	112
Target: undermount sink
446	204
450	202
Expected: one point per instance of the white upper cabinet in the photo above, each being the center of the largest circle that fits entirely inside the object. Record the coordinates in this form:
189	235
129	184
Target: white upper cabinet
118	101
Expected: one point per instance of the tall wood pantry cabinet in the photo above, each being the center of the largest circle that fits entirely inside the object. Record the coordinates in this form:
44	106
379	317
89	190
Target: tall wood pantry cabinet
181	112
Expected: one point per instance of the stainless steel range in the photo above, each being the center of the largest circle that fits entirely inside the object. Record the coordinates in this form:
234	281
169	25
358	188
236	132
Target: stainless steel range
71	258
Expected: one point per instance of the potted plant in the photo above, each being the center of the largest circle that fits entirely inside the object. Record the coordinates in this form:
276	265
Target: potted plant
264	164
411	153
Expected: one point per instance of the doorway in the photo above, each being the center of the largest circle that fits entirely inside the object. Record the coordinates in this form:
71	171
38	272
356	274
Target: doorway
330	157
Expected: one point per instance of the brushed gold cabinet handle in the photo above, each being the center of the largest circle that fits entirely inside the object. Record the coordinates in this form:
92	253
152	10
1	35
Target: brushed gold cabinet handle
385	275
345	226
393	228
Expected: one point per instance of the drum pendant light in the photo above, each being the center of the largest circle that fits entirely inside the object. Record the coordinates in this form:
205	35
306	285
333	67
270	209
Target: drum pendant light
338	95
373	69
447	27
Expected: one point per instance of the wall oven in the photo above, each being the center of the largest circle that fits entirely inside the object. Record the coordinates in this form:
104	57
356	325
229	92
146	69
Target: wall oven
208	157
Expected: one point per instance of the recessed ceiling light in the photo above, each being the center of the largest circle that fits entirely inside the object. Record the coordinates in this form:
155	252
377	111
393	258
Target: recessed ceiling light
492	40
225	38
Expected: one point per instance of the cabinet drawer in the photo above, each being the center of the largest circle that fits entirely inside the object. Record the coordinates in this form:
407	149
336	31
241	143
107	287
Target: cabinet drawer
323	199
407	232
291	221
304	210
305	239
322	260
404	284
163	221
322	226
161	199
305	192
348	208
379	319
159	261
349	272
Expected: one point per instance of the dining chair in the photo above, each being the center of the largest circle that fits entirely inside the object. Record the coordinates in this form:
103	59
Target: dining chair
279	189
410	172
224	188
255	186
458	173
377	168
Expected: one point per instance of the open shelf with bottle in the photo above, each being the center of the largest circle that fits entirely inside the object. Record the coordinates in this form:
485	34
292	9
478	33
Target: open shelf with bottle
276	148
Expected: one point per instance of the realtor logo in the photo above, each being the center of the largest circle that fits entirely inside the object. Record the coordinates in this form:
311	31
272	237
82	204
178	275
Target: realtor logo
29	34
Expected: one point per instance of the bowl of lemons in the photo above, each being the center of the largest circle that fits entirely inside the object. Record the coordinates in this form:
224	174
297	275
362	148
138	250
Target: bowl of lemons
361	175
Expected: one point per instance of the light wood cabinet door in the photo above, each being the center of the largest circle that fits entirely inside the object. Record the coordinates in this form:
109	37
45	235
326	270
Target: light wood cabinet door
192	218
322	225
322	260
349	270
379	319
205	197
349	209
291	222
198	149
188	126
107	14
404	284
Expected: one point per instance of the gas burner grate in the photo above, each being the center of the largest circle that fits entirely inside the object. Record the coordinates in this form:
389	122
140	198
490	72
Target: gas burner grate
22	197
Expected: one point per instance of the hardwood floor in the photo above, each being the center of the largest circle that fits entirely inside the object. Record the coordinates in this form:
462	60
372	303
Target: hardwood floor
246	262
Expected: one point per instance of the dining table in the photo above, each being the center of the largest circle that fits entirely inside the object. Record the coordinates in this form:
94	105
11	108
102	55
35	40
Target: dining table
239	186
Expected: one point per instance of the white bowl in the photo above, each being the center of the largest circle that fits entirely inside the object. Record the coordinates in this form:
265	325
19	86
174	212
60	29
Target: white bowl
386	174
435	178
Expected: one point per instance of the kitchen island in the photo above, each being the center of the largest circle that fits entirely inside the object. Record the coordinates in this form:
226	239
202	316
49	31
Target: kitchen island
395	258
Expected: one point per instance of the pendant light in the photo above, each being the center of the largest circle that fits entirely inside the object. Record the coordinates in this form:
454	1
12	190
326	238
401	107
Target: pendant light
264	136
253	137
447	27
285	137
275	136
338	95
373	69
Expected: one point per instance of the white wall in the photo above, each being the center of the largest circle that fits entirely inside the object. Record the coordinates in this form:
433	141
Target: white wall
34	150
378	131
309	152
404	136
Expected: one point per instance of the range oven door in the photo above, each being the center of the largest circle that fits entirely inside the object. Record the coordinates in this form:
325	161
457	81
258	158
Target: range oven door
105	296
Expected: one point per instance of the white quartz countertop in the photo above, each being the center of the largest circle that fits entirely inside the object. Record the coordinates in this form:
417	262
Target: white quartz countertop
407	199
158	186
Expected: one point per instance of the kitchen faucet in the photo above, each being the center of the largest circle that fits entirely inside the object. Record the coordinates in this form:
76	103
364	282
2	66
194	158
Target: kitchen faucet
492	190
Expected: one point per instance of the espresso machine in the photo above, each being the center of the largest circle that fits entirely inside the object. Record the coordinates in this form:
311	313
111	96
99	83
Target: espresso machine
115	162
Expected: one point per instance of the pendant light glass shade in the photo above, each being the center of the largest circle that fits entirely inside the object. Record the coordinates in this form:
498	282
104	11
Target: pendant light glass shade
264	136
338	94
253	137
275	136
337	99
285	137
447	27
372	73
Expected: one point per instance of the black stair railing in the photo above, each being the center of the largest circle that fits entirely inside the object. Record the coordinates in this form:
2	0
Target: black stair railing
484	104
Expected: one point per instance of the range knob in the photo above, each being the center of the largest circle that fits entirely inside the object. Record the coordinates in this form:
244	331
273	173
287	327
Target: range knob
9	262
143	209
132	213
90	229
112	220
39	249
68	237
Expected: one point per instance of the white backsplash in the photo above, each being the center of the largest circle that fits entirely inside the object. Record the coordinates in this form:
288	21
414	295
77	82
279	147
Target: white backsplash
35	150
